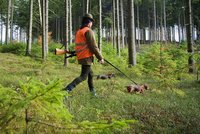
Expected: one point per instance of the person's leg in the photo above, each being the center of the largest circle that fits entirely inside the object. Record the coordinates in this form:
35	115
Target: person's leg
90	80
85	69
90	83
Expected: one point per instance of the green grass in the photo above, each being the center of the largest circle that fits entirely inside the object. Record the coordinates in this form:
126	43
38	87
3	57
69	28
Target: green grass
159	110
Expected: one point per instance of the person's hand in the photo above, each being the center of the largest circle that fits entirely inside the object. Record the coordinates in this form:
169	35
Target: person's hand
101	61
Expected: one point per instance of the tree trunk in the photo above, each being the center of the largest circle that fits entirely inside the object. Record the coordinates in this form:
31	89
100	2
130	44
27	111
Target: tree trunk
149	25
161	23
122	23
165	23
28	50
118	30
131	34
100	27
45	29
66	38
155	22
47	26
70	23
1	28
87	6
138	25
40	12
190	48
8	23
113	34
11	20
179	27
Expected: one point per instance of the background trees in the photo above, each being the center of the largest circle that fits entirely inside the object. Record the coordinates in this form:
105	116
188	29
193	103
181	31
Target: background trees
157	20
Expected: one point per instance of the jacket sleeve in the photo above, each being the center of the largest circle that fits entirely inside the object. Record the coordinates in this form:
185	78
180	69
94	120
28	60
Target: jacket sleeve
92	44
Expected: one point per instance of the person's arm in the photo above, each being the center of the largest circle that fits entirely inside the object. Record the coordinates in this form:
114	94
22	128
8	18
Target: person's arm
92	44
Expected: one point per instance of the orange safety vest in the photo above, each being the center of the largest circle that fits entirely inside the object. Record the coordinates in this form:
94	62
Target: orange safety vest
82	49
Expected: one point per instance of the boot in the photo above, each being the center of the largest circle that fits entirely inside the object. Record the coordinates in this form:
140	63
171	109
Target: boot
93	92
69	88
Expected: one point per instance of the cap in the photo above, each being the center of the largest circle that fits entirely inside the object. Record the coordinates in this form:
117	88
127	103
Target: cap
88	16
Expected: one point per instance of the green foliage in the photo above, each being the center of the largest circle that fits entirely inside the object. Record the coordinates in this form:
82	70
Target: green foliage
43	102
165	63
39	95
35	104
16	48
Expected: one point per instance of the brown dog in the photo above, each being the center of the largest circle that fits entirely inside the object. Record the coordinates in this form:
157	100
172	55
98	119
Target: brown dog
137	88
105	76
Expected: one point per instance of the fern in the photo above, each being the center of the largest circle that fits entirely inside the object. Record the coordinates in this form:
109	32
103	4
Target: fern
38	106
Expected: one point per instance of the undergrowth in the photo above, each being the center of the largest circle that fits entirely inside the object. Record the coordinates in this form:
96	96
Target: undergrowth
31	96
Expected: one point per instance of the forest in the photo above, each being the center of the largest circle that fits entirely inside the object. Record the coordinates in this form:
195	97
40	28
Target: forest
149	82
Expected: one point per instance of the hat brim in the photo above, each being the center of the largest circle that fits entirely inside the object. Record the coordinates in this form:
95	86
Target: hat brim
90	19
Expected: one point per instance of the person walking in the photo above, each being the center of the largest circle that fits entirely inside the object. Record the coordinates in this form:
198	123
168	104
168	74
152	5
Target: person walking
85	47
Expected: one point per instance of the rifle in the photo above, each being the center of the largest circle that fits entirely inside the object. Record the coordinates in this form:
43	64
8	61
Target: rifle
61	52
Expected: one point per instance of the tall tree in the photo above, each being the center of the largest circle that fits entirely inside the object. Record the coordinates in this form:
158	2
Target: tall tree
122	22
131	34
87	6
155	22
113	24
70	22
11	20
47	25
100	26
8	23
29	45
137	2
165	22
45	29
190	48
40	11
66	41
1	26
118	29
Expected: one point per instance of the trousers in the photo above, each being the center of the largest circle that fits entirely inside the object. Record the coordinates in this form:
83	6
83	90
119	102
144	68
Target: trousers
86	72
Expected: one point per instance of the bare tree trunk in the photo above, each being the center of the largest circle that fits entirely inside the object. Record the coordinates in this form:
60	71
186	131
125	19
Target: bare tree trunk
122	22
179	27
1	28
100	26
131	34
66	41
40	12
138	25
161	23
118	30
11	20
70	22
161	45
149	23
28	50
8	23
155	22
43	31
47	25
165	23
190	48
114	39
87	6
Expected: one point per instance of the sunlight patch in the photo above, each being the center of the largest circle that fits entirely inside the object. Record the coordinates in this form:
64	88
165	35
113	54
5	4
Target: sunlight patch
179	92
157	91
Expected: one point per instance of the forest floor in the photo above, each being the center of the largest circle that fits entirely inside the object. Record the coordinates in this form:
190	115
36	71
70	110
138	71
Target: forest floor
158	110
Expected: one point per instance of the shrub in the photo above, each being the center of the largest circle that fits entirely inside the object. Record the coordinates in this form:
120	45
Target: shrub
165	63
16	48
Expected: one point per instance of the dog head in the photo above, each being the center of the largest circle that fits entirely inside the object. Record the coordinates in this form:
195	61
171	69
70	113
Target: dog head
129	88
110	75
